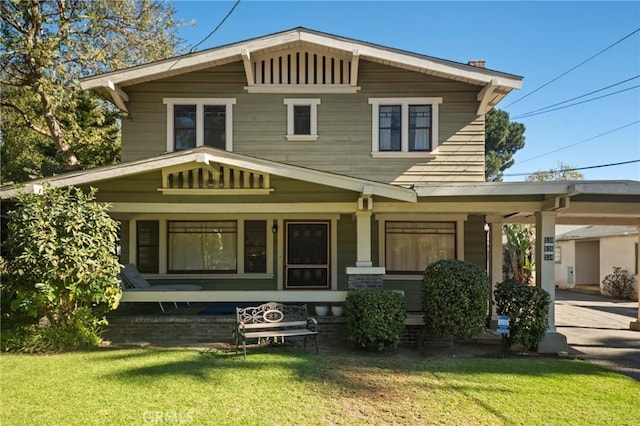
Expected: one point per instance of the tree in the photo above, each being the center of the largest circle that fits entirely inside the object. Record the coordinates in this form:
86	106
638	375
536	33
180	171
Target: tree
502	139
563	172
48	124
60	262
521	238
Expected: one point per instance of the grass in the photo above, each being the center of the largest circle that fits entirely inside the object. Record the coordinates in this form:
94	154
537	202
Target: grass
183	386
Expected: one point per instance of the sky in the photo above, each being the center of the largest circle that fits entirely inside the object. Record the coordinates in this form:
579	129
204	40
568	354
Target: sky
537	40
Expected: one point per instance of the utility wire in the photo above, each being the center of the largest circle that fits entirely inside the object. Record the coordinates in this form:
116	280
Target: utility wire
577	103
574	168
571	69
577	97
216	28
580	142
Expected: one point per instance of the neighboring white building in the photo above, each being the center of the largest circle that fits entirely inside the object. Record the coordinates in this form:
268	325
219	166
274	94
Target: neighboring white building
586	255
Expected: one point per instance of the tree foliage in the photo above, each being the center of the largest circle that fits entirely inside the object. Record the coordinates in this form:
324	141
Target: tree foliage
48	124
519	250
563	172
503	138
528	311
375	318
60	260
455	298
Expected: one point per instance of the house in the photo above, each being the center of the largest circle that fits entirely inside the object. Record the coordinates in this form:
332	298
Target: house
300	165
587	255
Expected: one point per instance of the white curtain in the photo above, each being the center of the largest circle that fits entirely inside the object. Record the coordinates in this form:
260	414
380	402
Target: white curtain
202	246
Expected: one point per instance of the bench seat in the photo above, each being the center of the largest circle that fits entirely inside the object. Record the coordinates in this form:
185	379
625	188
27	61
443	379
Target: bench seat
274	320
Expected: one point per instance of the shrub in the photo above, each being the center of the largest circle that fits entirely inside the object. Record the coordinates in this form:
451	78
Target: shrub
375	318
60	265
455	299
619	284
528	311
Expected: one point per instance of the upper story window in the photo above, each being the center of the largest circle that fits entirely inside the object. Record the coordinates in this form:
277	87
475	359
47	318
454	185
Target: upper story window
193	122
404	127
302	119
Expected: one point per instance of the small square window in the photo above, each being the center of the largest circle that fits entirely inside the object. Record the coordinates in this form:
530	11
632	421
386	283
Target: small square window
302	119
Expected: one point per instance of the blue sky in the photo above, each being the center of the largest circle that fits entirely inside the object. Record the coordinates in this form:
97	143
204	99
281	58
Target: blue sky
537	40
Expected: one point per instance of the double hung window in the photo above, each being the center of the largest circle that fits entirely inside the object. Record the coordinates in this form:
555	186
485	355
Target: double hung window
199	122
404	126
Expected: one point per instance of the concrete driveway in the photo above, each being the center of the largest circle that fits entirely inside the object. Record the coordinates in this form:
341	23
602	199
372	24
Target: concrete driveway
597	329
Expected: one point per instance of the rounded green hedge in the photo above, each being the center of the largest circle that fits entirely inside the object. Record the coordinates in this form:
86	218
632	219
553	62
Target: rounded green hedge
528	311
375	318
455	299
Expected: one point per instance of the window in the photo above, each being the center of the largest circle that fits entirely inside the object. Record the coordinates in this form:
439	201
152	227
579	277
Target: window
199	122
148	238
202	246
411	246
302	119
255	246
404	127
558	254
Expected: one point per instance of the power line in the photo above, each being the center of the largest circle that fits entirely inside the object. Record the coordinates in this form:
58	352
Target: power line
574	168
580	142
577	66
577	103
216	28
577	97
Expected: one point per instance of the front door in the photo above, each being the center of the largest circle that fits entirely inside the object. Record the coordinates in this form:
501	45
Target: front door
307	255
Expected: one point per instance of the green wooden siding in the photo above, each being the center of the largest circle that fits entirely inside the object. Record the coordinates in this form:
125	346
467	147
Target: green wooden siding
475	241
344	123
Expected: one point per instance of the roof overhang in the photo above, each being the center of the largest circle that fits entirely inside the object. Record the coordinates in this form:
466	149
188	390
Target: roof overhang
207	156
573	202
495	85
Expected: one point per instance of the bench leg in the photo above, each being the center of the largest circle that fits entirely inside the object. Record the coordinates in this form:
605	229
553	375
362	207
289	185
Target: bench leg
244	347
315	337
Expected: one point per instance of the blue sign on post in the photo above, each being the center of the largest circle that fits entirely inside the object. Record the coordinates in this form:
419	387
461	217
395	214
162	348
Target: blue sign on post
503	324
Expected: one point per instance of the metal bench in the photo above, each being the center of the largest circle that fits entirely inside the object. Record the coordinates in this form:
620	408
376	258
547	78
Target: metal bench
274	319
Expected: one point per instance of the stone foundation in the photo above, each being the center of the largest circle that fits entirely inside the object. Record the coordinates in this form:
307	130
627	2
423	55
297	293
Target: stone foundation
166	330
364	281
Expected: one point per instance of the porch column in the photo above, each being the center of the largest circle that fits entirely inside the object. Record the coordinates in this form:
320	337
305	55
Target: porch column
364	274
553	341
495	262
635	325
363	231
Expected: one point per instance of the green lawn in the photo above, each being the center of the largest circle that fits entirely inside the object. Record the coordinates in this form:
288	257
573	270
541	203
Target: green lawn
280	387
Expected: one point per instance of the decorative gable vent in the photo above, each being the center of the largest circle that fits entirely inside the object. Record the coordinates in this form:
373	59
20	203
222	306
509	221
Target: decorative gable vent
302	70
213	179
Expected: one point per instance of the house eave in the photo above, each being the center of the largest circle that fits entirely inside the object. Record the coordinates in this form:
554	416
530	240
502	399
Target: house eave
113	82
206	155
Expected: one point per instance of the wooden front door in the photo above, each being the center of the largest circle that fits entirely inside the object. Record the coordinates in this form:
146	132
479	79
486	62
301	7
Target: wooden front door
307	255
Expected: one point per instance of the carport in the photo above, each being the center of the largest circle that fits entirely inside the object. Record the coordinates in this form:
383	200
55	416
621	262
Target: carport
545	205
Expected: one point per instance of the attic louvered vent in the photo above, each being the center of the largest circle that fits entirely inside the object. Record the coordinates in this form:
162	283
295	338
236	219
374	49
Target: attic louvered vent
213	179
302	70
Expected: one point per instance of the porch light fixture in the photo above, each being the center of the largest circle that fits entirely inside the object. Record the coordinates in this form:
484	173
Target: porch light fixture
274	228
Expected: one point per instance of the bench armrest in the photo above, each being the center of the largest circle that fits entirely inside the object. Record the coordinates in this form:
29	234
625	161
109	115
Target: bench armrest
312	324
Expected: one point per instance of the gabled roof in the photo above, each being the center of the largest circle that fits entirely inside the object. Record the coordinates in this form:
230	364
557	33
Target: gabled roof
207	155
498	84
597	231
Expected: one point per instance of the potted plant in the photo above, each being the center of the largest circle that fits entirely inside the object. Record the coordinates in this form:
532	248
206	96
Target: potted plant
322	310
